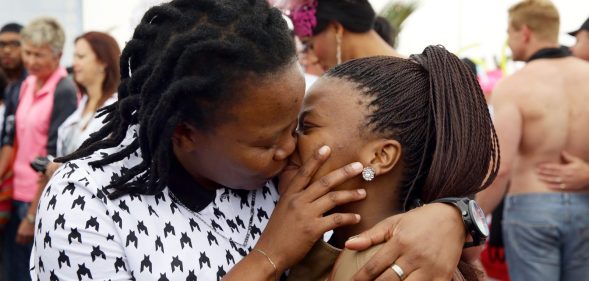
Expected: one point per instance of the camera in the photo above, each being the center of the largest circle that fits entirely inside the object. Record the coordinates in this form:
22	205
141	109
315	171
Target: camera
39	164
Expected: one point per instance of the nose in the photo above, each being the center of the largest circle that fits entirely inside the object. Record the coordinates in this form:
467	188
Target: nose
286	149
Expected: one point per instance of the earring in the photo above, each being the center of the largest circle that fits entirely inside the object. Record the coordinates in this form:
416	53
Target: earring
368	173
338	50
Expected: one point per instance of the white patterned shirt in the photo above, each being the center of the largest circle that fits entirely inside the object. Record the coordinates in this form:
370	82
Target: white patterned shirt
80	234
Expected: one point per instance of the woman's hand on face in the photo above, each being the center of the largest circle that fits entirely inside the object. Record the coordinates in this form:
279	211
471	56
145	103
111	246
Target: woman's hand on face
425	242
298	220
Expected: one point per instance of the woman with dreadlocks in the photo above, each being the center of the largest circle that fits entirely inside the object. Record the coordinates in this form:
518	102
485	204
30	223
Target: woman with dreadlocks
177	183
335	31
415	125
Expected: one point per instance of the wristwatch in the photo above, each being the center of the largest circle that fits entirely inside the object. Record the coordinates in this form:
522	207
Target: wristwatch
473	218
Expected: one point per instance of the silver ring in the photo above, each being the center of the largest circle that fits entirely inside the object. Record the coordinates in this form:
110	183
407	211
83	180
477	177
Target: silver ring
398	270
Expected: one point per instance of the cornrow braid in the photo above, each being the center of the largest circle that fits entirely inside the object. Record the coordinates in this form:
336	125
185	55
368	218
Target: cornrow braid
184	61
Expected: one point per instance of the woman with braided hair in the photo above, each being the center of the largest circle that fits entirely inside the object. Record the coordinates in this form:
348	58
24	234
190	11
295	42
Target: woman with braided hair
415	125
178	183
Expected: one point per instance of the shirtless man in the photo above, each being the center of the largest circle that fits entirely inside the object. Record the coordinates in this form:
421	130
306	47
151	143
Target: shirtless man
541	111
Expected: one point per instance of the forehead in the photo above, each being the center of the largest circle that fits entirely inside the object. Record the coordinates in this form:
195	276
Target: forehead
270	103
29	46
336	97
9	36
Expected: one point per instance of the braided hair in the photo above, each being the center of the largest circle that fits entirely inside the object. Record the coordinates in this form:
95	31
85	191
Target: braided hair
436	110
433	105
183	64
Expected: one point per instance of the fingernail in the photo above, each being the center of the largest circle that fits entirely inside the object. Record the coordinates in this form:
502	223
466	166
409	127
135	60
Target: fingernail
357	166
323	150
361	191
358	217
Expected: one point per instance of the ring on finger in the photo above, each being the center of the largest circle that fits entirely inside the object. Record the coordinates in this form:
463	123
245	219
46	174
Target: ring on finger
398	270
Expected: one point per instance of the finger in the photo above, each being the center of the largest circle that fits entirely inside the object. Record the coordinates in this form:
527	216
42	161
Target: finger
380	233
550	169
377	265
336	198
336	220
390	274
333	179
302	178
551	179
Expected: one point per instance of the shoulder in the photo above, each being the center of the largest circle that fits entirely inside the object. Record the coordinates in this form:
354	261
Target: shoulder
65	87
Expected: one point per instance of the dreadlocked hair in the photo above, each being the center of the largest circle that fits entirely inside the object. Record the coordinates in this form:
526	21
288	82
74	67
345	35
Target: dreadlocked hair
433	105
182	64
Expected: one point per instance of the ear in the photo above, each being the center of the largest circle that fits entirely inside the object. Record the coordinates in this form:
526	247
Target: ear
184	137
527	33
337	27
384	155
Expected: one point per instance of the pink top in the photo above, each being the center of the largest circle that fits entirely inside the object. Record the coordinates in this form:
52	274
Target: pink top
34	116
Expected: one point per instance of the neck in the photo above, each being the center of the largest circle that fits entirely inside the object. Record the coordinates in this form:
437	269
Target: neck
42	80
534	48
382	201
14	74
368	44
94	93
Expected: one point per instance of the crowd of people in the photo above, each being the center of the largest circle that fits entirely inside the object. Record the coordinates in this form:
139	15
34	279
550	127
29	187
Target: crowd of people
196	152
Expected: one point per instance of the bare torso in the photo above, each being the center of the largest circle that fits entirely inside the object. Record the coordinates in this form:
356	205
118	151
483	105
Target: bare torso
552	96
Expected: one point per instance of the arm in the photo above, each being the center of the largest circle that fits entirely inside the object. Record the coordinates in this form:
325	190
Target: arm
571	174
55	222
298	220
508	124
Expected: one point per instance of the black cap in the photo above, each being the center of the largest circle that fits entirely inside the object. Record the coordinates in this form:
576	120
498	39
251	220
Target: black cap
585	26
11	27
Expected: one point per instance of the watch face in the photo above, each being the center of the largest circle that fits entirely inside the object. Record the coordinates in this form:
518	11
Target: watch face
479	218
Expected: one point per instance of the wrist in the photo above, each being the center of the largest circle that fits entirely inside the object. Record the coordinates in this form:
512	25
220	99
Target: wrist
269	268
452	217
30	218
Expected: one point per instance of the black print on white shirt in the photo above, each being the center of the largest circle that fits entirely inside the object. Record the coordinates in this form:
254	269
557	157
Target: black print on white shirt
83	271
220	272
123	206
79	201
116	218
185	240
145	263
191	276
215	226
47	240
262	214
141	227
131	238
169	229
211	238
41	266
152	211
119	263
96	252
74	234
59	221
193	224
70	187
53	277
232	225
63	258
229	257
52	202
92	222
204	260
73	167
163	277
239	222
173	206
218	214
158	244
176	263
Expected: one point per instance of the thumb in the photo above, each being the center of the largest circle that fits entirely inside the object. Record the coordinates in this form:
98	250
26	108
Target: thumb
378	234
567	157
